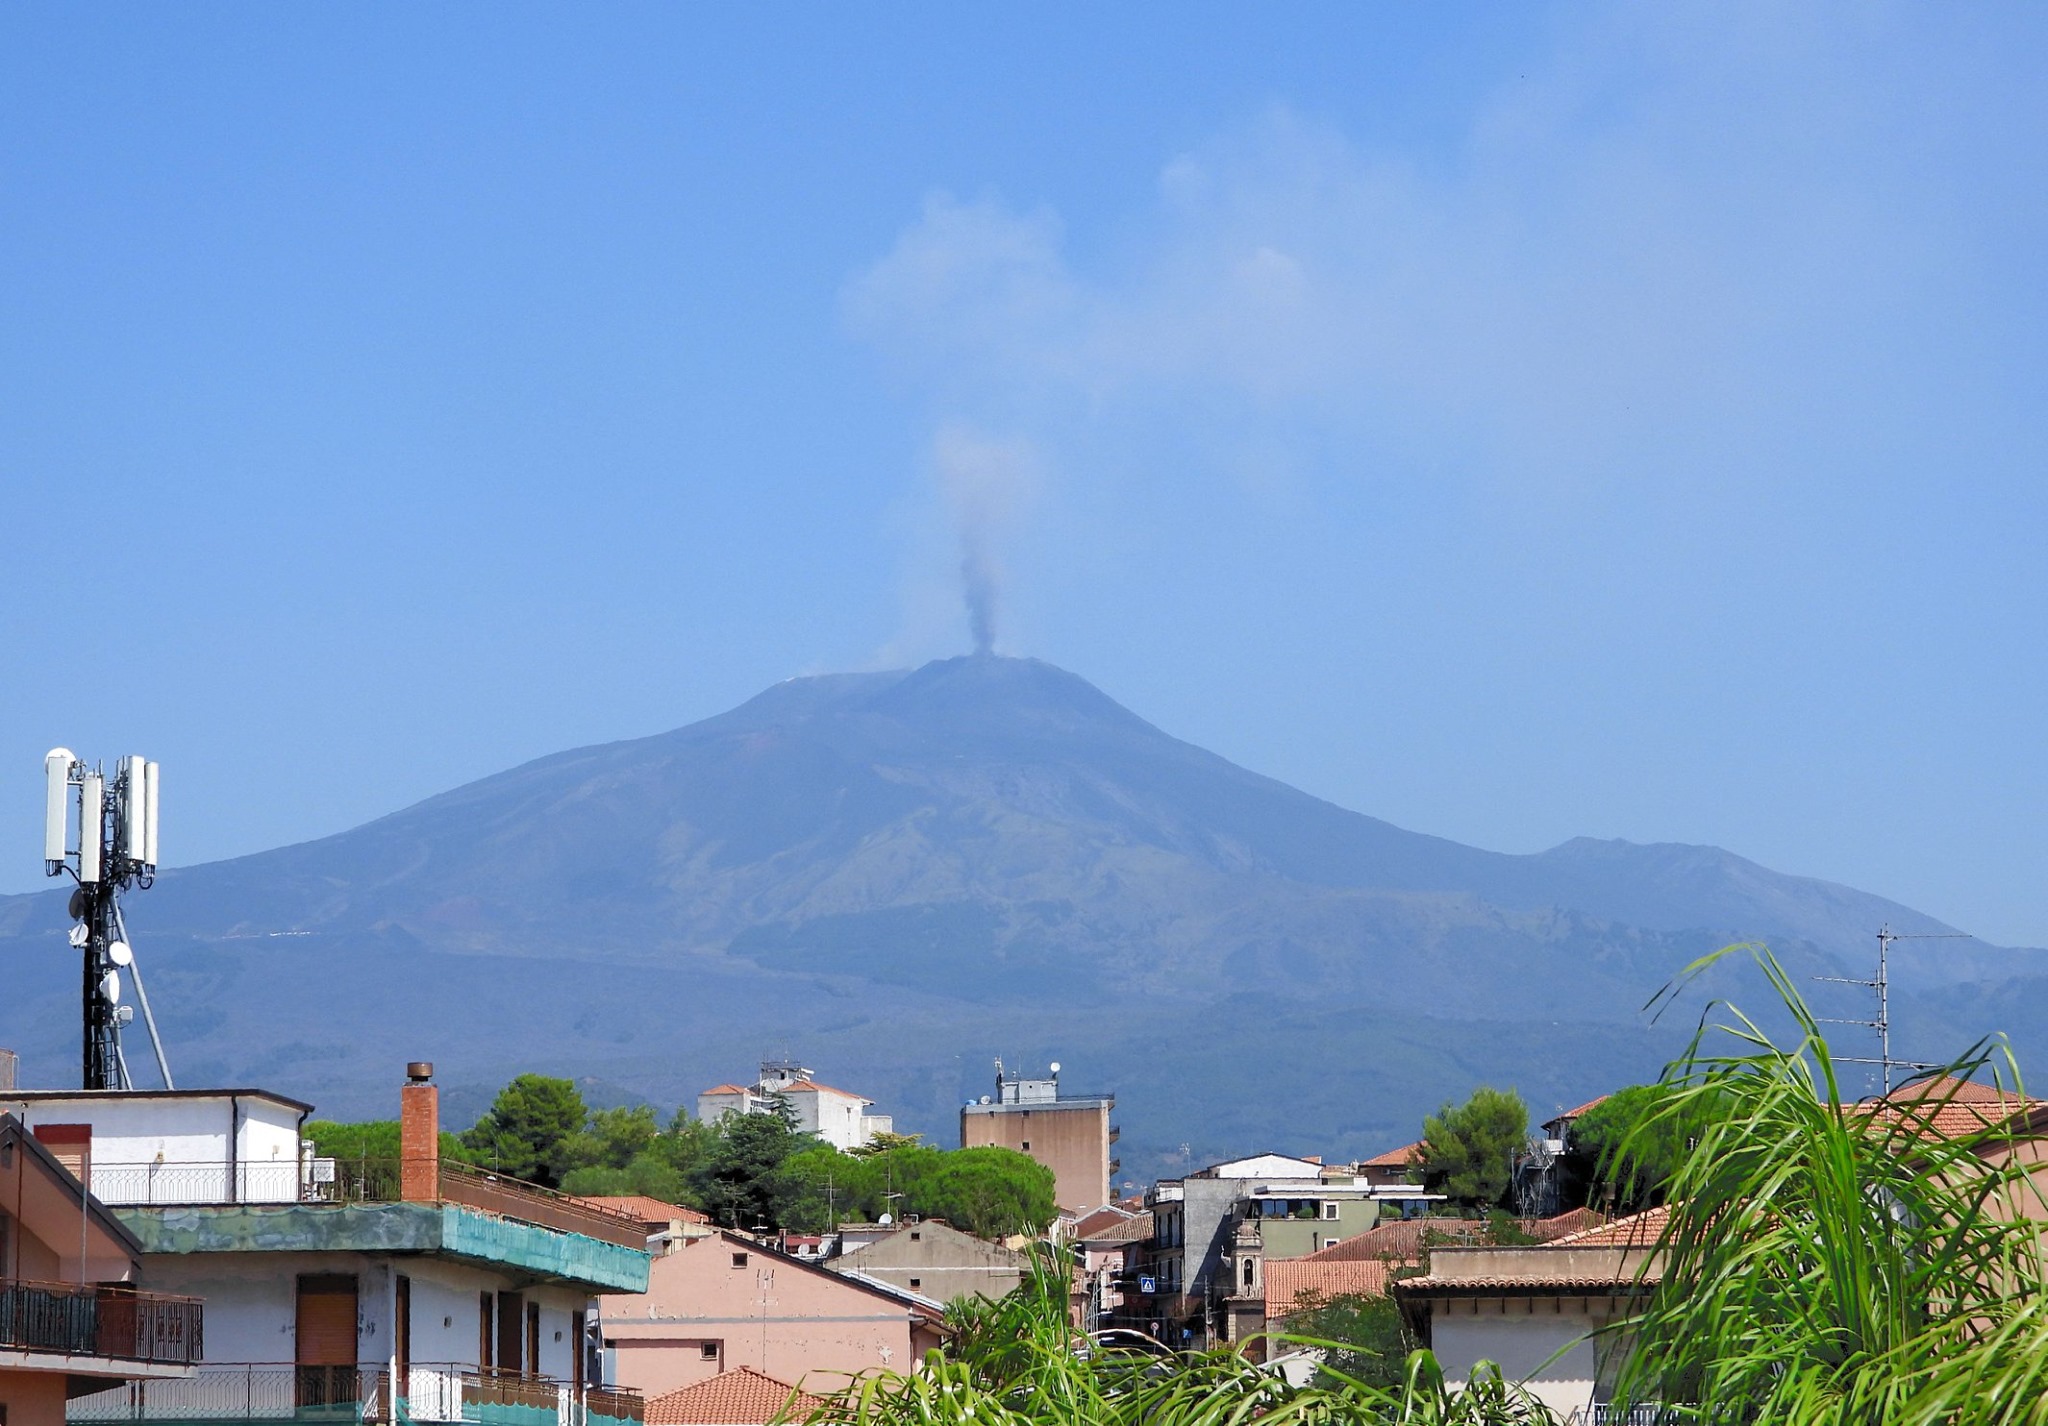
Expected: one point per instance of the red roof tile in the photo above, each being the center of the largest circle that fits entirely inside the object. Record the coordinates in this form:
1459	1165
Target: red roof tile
1394	1158
647	1210
1578	1220
1289	1279
740	1397
727	1089
1636	1231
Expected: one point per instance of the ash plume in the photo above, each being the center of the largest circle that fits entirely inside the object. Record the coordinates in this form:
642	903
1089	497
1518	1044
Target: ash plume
986	483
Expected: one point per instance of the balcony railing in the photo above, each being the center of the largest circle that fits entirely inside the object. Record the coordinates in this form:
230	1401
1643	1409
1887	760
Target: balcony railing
110	1320
359	1180
346	1395
1647	1413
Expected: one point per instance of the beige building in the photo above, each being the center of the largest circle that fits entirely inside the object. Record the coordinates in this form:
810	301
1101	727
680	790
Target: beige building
933	1258
838	1116
1068	1133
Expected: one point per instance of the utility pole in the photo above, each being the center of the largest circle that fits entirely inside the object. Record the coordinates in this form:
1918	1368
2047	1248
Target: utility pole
106	845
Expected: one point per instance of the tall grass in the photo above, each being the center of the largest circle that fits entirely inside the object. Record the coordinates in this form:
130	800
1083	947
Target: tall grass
1824	1263
1827	1261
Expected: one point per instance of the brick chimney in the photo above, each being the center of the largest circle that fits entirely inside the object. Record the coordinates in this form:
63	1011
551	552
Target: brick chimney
419	1135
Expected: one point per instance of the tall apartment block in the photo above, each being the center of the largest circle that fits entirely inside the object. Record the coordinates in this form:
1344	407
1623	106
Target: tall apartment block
1067	1132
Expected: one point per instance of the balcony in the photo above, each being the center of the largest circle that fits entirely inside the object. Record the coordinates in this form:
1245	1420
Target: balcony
360	1396
343	1181
111	1321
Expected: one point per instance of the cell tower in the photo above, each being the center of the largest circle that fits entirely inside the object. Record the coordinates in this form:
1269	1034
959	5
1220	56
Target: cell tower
104	838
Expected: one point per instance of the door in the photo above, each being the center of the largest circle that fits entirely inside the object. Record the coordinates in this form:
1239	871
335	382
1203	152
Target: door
326	1333
511	1328
401	1335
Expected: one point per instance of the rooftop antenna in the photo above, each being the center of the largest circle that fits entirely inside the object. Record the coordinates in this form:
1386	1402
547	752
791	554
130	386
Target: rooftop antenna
1882	986
106	845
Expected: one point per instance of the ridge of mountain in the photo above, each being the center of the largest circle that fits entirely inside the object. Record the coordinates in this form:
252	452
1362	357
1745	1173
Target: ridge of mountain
980	855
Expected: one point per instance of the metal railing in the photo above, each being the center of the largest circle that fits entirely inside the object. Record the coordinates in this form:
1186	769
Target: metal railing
438	1392
358	1180
109	1320
1649	1413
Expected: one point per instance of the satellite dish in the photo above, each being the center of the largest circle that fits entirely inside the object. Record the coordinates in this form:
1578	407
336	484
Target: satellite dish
77	904
111	985
79	934
120	955
885	1220
1055	1066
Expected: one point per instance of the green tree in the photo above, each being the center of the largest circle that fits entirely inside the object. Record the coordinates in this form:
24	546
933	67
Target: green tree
989	1192
369	1141
1369	1341
528	1128
737	1182
1627	1147
1468	1150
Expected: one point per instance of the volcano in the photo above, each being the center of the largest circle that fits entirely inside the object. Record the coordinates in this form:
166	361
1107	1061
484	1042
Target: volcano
899	876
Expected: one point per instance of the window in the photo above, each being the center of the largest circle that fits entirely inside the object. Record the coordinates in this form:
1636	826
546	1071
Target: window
916	1283
739	1260
916	1235
1329	1210
1027	1146
709	1350
1331	1242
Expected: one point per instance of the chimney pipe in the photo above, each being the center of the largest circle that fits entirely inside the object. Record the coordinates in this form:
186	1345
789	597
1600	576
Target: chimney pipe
419	1135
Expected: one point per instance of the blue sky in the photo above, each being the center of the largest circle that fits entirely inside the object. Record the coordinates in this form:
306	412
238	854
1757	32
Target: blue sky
1516	422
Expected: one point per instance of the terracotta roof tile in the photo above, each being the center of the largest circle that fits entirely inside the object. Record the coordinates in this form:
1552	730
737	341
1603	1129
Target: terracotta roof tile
1394	1158
647	1210
1637	1231
1578	1220
740	1397
1401	1242
1576	1113
1288	1279
726	1089
1102	1219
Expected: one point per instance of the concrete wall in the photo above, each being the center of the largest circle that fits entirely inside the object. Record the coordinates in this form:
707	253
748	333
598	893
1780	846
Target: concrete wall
176	1149
1521	1343
1071	1140
937	1260
252	1306
797	1323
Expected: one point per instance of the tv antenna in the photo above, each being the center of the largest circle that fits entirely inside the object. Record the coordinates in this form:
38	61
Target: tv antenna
104	838
1882	986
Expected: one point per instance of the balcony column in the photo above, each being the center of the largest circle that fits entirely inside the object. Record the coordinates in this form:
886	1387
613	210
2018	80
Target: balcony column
419	1135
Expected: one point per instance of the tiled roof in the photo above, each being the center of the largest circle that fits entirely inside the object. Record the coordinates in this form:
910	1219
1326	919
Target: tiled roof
1394	1158
1953	1108
740	1397
800	1085
1289	1278
1129	1230
1549	1230
1575	1113
1607	1282
1637	1231
1400	1242
647	1210
727	1089
1101	1218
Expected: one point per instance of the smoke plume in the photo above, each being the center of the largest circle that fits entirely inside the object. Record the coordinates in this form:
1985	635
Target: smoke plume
986	483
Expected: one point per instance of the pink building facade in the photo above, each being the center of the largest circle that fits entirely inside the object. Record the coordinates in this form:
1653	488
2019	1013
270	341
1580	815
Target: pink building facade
724	1301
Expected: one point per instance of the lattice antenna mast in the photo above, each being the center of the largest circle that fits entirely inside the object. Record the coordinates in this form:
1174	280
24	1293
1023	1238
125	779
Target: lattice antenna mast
1881	986
101	832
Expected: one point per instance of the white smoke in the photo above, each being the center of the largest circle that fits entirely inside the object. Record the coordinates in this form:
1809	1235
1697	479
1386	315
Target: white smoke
987	483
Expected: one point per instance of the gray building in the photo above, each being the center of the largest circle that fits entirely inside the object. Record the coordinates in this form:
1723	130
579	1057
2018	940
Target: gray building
937	1260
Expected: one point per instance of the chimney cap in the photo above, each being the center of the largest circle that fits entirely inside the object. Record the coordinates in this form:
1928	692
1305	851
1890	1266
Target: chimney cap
420	1071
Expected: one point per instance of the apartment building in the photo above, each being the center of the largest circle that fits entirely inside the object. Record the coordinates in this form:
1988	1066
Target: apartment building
431	1290
1067	1131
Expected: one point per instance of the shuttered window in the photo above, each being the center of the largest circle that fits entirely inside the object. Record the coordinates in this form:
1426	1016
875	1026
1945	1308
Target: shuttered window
327	1320
511	1324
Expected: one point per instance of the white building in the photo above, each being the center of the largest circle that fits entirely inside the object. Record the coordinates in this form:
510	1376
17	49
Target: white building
838	1116
325	1283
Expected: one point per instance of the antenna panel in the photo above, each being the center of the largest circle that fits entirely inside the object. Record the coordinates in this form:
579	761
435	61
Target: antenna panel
152	784
134	801
91	809
57	765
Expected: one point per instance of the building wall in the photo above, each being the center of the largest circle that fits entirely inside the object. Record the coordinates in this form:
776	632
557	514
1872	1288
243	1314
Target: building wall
1281	1237
1523	1345
1071	1140
32	1398
938	1260
796	1323
176	1149
252	1305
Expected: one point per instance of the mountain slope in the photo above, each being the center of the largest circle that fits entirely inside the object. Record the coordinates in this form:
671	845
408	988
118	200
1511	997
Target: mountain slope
982	855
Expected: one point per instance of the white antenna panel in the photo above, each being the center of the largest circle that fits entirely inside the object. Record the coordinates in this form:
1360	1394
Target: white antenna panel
151	783
134	802
91	806
110	986
57	764
121	954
